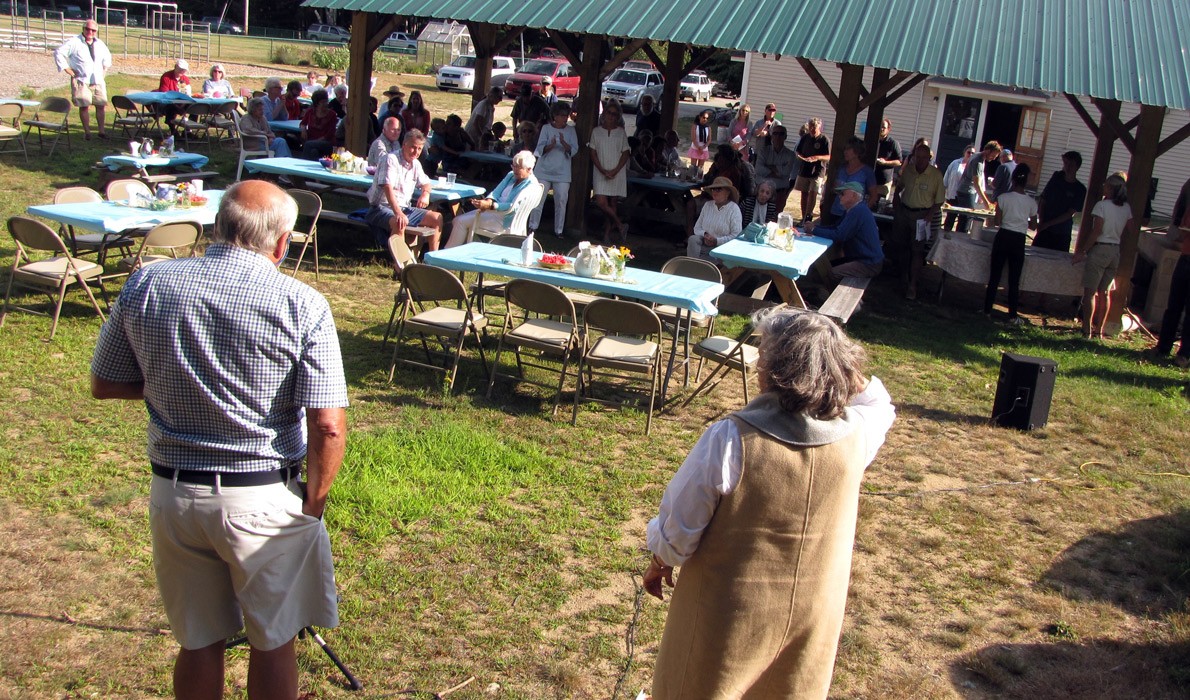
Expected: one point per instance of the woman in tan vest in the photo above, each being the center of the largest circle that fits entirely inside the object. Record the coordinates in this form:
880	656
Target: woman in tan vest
761	518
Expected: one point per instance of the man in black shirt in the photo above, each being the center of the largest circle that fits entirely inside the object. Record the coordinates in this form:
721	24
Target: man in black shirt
647	117
888	158
813	150
1061	199
530	107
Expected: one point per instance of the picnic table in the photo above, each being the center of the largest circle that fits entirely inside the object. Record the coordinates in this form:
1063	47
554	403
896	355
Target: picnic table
1045	271
15	101
313	170
687	294
783	267
286	126
677	191
142	163
174	97
485	166
118	217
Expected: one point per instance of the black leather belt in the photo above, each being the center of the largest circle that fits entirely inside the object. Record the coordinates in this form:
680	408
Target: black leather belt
230	479
903	206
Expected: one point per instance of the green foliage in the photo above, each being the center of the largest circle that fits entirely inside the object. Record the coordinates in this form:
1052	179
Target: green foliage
287	55
331	59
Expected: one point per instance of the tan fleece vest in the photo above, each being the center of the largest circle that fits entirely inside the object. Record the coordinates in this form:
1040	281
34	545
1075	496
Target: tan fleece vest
757	611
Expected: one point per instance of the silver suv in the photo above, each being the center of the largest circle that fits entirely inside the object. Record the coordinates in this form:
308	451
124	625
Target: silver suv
329	33
629	85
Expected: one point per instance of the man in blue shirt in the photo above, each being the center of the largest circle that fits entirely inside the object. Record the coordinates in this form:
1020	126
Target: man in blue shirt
856	233
236	363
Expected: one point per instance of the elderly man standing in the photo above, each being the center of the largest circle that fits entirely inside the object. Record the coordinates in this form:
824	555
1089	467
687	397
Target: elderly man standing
918	198
1002	180
647	117
856	233
85	58
774	164
389	141
762	127
237	364
397	177
813	150
483	115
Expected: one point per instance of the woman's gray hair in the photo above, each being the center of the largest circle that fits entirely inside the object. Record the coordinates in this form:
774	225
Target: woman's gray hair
216	67
525	159
257	225
272	83
809	362
254	103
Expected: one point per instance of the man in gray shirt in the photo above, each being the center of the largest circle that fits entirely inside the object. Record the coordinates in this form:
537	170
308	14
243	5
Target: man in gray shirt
774	164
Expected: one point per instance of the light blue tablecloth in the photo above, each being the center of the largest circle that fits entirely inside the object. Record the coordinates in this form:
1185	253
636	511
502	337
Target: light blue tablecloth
487	157
110	217
642	285
149	98
665	184
806	250
313	170
15	101
286	126
194	160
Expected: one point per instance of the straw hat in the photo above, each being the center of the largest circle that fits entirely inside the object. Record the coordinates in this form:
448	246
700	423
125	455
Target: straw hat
722	183
394	91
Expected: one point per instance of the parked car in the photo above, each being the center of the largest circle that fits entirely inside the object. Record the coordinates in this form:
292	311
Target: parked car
564	77
629	86
550	52
697	86
328	33
460	74
639	65
402	41
224	27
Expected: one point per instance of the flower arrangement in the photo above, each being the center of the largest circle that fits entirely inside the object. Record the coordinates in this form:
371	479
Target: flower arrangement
619	257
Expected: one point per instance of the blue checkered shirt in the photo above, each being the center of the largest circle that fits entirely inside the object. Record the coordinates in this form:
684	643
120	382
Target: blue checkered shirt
230	350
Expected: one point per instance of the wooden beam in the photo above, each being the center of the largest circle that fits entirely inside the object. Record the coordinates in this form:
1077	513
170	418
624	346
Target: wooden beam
874	117
698	59
483	40
831	98
1082	112
587	107
1140	181
622	55
365	28
675	60
882	88
567	44
845	117
1173	139
1112	121
906	87
1105	142
648	49
387	25
510	35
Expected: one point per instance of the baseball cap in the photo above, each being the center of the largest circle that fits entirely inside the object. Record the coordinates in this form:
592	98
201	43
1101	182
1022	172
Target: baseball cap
545	80
850	187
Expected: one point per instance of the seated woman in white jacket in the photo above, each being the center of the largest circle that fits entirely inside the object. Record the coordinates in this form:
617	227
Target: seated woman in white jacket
719	221
495	213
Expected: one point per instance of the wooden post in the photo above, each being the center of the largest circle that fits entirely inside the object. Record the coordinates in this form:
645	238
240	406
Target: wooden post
845	118
587	107
1105	143
875	117
359	83
483	39
1140	180
675	60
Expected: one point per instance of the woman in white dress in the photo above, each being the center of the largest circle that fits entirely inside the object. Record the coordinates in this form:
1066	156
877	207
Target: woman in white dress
609	156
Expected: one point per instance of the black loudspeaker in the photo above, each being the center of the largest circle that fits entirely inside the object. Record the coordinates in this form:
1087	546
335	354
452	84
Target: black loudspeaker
1024	391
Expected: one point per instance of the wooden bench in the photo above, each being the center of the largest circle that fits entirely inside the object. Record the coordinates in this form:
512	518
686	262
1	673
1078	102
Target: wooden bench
845	299
339	217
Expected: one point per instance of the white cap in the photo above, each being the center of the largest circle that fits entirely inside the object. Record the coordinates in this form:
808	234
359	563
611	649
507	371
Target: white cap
182	64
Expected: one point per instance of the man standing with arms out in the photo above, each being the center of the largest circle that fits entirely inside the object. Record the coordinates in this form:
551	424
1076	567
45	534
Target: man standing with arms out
85	58
918	197
231	357
774	164
888	158
1002	180
483	115
1061	199
856	233
762	128
397	177
973	186
813	150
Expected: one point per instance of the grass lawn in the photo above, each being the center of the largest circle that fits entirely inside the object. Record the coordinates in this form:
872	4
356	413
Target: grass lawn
483	538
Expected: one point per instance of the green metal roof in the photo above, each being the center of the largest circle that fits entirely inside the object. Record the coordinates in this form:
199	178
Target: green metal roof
1129	50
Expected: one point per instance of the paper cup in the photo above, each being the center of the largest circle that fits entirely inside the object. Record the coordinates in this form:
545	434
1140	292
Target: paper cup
134	148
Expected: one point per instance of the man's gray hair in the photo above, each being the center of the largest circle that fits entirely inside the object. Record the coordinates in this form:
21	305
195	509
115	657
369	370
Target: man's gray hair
413	135
525	159
809	362
270	83
341	90
255	228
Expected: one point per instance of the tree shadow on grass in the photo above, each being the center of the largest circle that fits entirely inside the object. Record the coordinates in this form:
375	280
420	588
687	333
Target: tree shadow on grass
1144	567
1094	668
937	414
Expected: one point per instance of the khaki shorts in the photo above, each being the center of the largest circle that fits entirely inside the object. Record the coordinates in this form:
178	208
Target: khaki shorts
84	95
243	557
807	184
1100	270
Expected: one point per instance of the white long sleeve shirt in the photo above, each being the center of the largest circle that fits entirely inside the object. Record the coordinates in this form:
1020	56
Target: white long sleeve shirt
724	223
713	467
76	55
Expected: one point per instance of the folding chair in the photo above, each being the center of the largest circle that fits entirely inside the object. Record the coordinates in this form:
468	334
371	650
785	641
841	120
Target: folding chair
482	288
129	117
631	345
402	257
98	243
10	129
126	188
728	354
51	276
45	120
224	122
522	206
309	205
195	124
172	237
429	289
676	318
538	330
246	153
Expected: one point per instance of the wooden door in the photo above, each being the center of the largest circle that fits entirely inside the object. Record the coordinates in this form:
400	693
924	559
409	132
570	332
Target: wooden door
1030	141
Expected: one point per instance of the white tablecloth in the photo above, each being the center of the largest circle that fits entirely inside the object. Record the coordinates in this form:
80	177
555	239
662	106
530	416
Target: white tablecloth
1046	271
